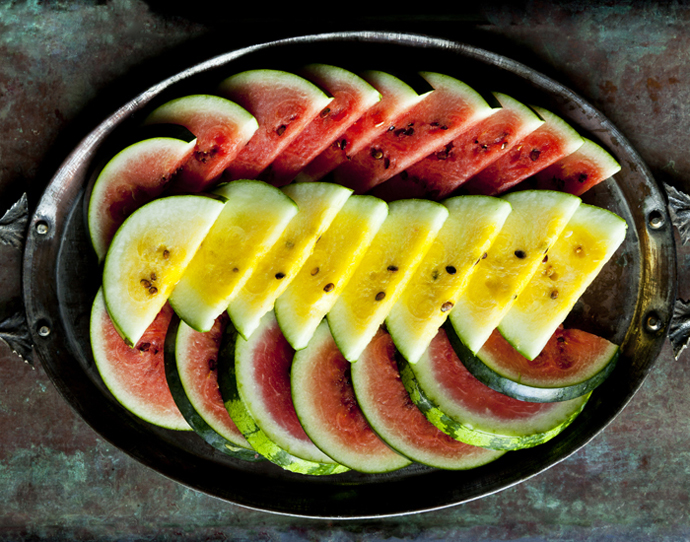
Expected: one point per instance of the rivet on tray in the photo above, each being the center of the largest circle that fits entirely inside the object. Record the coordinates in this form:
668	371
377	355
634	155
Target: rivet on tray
653	323
44	331
656	220
41	228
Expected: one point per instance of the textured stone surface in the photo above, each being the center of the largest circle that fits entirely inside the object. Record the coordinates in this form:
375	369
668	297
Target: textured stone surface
60	61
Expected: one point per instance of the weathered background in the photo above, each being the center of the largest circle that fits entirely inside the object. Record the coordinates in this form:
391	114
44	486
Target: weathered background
63	66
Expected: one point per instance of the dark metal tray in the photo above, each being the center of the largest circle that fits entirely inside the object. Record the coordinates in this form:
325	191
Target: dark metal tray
630	303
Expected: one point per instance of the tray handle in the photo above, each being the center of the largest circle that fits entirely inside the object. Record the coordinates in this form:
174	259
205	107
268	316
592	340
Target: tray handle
14	329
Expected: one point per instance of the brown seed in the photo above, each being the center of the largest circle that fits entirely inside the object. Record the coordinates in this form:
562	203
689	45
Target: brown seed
376	154
280	275
166	254
235	269
484	256
534	155
145	283
329	287
546	259
144	347
578	250
314	271
153	277
554	294
324	113
380	296
450	270
520	254
281	129
446	306
343	144
393	268
153	290
434	274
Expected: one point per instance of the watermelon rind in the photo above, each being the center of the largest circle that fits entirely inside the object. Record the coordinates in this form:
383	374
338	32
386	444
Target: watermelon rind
149	255
187	399
479	365
576	258
319	373
238	398
485	428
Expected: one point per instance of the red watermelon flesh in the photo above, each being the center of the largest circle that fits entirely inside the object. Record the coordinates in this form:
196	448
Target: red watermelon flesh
391	412
282	103
450	109
136	376
546	145
397	98
200	374
222	129
352	96
440	173
579	171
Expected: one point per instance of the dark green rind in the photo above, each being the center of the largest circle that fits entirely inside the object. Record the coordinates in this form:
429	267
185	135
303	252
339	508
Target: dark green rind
246	424
194	419
459	431
500	383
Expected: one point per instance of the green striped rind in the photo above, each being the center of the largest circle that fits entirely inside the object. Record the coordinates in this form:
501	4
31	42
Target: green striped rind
482	372
245	422
190	413
463	433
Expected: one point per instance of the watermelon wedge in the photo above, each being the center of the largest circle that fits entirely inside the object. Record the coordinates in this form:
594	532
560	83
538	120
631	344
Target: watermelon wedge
549	143
397	98
222	129
461	406
282	103
390	411
352	96
450	109
440	173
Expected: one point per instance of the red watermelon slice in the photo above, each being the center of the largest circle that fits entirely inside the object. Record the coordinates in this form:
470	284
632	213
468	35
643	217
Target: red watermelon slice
352	96
450	109
397	98
282	103
440	173
549	143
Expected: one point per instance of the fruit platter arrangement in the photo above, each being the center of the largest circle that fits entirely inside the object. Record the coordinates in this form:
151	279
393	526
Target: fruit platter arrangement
311	285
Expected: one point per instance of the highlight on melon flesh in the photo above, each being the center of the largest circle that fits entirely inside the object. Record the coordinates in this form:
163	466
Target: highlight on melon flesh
255	216
148	256
583	248
472	225
461	406
549	143
319	203
325	403
578	172
221	127
315	289
440	173
135	376
352	96
397	98
450	109
537	219
282	103
133	177
390	262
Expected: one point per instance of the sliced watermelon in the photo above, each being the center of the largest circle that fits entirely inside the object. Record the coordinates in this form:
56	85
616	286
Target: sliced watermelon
135	376
461	406
191	368
579	171
549	143
572	364
327	409
222	129
450	109
392	414
255	385
352	96
282	103
397	99
440	173
136	175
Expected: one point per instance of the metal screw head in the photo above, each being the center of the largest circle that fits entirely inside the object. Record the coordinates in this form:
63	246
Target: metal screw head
656	220
44	331
41	228
653	322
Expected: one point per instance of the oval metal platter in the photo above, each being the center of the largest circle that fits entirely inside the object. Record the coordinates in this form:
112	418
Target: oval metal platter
630	303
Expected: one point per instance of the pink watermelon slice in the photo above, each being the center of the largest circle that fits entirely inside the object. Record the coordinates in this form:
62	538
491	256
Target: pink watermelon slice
460	405
579	171
391	412
222	129
352	96
450	109
440	173
397	98
549	143
136	376
282	103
